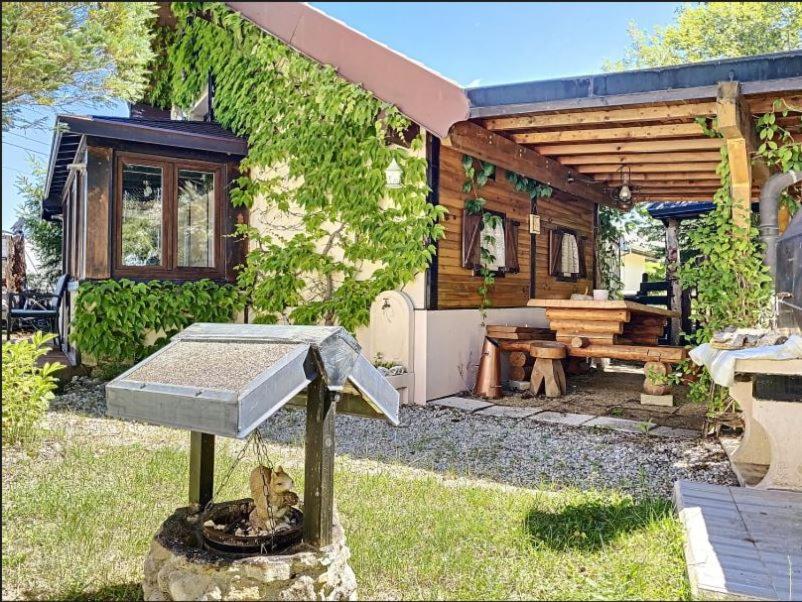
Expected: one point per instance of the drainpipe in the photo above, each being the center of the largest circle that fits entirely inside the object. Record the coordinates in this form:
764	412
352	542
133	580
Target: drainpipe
769	203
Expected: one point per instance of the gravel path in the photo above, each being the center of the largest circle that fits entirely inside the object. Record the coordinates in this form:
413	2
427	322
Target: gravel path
508	451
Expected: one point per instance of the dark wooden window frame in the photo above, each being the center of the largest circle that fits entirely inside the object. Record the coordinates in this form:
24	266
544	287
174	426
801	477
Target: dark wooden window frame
582	275
498	273
170	167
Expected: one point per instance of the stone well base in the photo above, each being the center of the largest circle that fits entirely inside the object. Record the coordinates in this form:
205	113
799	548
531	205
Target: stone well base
177	568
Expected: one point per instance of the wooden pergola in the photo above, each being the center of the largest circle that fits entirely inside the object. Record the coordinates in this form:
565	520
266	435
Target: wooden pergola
643	127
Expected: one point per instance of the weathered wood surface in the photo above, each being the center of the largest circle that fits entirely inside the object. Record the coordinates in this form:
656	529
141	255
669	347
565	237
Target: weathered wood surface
741	544
639	308
319	465
665	354
201	468
457	286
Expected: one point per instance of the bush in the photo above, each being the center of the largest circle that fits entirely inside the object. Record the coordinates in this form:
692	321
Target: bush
27	388
114	318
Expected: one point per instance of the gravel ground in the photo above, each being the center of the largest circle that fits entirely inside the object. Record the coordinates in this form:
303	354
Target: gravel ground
521	453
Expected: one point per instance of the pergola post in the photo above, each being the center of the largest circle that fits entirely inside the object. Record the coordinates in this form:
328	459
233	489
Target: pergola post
735	124
321	407
201	468
672	275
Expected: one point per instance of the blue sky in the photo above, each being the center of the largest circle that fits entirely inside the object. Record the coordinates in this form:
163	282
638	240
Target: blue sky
472	43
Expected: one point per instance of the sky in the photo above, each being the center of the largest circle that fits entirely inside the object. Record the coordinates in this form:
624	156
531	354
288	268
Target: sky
475	44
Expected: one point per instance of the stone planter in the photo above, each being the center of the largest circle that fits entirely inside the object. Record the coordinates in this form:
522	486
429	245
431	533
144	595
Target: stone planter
178	568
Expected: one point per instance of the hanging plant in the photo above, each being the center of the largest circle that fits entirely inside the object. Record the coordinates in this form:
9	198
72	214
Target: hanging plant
474	180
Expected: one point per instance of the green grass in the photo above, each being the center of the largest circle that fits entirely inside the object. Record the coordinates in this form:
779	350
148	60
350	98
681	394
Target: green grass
79	527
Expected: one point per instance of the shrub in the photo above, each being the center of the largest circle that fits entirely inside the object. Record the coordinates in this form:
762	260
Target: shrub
113	318
27	388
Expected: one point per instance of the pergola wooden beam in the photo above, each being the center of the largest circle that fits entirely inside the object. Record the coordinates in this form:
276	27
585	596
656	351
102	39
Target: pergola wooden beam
647	146
474	140
735	124
625	159
634	115
650	168
647	132
658	177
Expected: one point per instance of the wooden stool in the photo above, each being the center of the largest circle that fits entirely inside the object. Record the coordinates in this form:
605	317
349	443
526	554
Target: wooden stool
548	370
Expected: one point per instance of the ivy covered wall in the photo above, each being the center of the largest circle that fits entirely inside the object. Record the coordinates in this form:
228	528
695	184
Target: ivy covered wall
318	150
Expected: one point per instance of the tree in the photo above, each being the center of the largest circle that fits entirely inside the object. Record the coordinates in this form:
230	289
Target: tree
58	53
44	236
712	30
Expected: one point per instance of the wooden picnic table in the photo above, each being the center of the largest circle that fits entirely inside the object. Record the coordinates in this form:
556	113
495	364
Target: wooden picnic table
614	329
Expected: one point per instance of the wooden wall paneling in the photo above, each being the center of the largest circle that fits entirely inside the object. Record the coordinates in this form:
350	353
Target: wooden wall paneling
457	286
98	196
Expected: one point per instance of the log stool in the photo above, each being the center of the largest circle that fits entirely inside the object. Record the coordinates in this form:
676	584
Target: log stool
548	370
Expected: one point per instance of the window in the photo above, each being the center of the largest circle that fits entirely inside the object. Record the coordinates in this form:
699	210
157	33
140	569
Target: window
566	255
195	218
142	210
502	242
168	215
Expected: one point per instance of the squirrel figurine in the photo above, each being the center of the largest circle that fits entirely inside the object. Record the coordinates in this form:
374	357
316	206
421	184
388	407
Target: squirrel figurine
272	497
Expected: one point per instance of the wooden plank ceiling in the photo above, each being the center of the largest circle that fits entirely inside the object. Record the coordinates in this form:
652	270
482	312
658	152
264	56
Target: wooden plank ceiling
665	151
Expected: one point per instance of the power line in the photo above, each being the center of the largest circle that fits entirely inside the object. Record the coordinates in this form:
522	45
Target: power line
26	148
28	138
13	169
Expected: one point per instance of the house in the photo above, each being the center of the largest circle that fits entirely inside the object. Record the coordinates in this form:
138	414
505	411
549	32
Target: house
584	137
636	262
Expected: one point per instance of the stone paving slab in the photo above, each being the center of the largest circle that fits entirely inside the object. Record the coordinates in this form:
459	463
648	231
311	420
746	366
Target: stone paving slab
744	558
677	433
509	411
620	424
466	404
561	418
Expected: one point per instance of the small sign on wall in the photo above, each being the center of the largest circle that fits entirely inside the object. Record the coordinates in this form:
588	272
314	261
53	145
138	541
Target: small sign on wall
534	223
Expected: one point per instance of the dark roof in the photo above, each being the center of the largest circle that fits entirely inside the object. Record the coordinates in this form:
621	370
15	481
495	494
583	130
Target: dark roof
195	135
757	74
679	209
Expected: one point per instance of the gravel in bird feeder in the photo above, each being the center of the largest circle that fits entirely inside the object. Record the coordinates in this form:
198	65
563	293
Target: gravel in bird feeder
227	366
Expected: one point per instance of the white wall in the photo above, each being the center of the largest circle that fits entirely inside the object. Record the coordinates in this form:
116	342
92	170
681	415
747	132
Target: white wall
448	344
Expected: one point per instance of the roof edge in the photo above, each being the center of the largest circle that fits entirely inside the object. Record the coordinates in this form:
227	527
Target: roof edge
424	96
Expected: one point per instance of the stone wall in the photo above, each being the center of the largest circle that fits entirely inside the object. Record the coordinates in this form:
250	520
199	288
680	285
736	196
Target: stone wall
176	568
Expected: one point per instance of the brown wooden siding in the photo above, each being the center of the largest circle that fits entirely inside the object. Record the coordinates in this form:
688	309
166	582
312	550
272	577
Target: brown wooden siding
98	243
457	286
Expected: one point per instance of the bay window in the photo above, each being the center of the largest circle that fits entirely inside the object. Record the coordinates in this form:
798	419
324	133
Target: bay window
168	215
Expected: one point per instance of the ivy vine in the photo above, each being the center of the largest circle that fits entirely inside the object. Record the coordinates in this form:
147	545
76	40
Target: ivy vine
474	180
113	318
335	236
733	286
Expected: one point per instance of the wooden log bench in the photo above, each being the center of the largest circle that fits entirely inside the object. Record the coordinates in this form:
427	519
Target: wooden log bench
547	371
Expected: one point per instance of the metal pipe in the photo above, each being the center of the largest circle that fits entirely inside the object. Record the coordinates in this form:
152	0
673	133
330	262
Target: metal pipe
769	203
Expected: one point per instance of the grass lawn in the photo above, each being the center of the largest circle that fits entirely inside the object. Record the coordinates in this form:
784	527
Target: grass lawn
78	523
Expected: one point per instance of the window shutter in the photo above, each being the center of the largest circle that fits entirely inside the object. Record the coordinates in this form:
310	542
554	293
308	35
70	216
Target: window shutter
555	250
580	243
471	227
511	246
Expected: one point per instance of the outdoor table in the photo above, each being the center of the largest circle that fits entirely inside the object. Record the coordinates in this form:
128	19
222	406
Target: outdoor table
605	322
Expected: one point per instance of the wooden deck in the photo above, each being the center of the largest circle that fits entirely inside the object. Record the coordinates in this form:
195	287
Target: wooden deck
741	544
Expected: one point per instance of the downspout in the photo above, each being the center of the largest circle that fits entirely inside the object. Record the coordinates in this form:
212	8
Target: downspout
769	207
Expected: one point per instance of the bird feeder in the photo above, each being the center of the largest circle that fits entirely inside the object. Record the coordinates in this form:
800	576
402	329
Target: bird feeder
228	379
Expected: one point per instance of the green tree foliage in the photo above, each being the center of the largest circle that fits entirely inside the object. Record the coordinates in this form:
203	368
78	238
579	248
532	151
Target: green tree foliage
43	236
27	388
333	235
711	30
114	317
58	53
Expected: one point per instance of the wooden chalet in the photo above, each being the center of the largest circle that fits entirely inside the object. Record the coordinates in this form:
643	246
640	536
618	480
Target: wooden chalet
583	136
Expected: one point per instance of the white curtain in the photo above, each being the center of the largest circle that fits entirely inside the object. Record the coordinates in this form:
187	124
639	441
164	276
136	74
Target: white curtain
496	248
569	256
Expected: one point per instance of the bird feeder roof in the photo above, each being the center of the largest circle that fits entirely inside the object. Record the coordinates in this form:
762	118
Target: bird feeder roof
227	379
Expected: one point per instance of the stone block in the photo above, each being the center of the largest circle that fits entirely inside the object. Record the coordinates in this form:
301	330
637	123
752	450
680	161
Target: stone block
656	400
508	411
518	385
466	404
560	418
620	424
